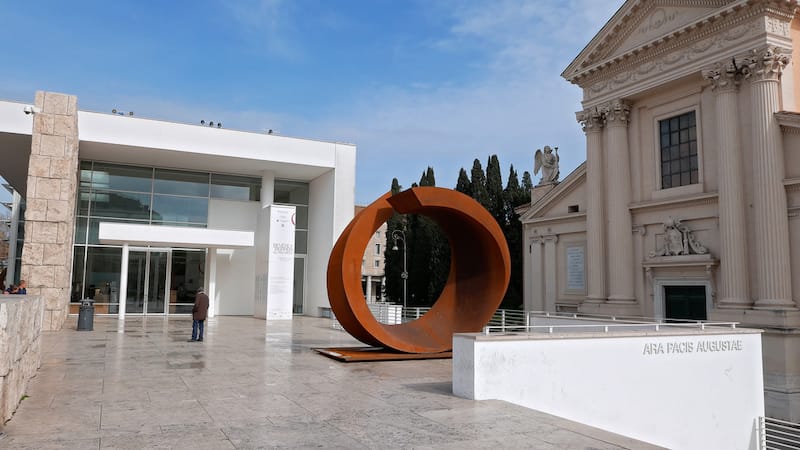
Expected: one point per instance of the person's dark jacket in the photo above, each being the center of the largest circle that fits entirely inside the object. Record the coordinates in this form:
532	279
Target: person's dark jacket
200	310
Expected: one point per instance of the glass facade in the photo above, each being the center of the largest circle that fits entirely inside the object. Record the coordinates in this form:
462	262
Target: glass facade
159	280
295	193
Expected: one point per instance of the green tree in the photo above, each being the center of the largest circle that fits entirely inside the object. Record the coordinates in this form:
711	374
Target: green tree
494	188
463	184
478	184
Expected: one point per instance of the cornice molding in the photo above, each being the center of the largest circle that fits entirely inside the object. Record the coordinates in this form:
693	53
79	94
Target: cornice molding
700	199
685	50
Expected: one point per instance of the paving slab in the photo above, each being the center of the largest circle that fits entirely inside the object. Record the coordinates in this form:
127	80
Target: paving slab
256	384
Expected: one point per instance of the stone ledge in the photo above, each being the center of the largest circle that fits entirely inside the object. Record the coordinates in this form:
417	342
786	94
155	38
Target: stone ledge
20	348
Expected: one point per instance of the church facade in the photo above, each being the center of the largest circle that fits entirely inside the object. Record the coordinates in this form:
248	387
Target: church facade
688	204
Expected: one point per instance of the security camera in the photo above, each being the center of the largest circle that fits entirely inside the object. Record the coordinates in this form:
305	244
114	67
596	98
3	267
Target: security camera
29	110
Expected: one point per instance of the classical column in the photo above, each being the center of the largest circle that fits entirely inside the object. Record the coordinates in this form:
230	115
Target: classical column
591	119
772	261
50	211
550	287
620	238
733	291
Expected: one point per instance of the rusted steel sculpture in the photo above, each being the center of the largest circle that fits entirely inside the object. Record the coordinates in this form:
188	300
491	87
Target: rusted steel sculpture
479	271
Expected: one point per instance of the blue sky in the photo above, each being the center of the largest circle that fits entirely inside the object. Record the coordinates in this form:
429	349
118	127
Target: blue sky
413	83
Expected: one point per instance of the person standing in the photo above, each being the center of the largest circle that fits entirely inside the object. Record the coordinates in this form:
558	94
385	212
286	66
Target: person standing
199	314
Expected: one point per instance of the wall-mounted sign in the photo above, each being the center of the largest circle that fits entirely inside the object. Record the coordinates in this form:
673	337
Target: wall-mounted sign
576	273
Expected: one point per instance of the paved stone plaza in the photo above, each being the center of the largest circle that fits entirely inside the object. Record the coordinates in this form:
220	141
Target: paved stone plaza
144	386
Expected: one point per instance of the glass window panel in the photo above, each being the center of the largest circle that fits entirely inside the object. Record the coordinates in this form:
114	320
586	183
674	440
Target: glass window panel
665	154
179	224
80	230
301	242
665	168
126	205
235	188
86	172
674	138
77	273
83	201
187	276
301	217
178	182
684	150
179	209
685	179
674	124
103	266
693	148
684	136
684	121
666	182
291	192
664	126
674	152
676	179
693	163
664	140
693	133
122	178
685	164
695	177
675	166
691	119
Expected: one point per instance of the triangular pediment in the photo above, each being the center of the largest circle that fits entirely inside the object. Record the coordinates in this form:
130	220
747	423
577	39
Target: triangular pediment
643	23
554	203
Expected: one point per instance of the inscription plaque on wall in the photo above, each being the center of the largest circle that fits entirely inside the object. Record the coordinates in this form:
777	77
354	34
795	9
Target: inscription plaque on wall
576	275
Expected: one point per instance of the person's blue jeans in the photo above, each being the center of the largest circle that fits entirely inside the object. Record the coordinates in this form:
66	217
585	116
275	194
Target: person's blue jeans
197	325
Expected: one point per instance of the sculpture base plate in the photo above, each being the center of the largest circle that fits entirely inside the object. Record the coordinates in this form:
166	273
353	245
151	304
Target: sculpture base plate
362	354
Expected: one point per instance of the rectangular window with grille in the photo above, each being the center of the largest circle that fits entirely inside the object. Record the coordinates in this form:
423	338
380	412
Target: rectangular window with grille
678	139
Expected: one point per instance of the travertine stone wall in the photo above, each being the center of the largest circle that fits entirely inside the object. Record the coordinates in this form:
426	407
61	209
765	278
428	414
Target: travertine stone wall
20	348
49	216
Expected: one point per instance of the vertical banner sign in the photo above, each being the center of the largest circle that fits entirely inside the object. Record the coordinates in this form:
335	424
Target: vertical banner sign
280	264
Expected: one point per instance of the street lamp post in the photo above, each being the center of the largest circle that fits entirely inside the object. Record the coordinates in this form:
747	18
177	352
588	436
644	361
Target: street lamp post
401	236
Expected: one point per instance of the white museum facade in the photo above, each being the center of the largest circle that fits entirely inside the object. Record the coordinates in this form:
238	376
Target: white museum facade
688	204
136	214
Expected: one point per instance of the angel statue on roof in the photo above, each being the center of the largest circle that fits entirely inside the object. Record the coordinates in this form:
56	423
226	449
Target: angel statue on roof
547	161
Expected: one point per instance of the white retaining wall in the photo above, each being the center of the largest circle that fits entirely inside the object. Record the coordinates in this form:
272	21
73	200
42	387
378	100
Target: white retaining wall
687	389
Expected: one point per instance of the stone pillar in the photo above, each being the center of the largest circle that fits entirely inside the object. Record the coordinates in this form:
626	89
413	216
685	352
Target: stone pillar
50	211
772	260
620	240
733	286
536	297
550	286
591	119
369	289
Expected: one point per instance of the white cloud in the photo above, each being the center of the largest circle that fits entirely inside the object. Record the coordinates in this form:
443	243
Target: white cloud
518	104
267	25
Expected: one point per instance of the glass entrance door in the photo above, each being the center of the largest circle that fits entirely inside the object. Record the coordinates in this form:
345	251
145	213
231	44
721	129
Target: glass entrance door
147	281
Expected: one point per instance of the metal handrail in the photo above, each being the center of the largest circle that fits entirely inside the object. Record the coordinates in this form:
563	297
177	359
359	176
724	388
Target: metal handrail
779	434
489	329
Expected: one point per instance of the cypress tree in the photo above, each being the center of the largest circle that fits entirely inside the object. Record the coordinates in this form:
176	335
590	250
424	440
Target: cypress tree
463	184
494	189
478	184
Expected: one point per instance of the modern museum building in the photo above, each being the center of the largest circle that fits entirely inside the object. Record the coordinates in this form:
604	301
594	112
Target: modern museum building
137	214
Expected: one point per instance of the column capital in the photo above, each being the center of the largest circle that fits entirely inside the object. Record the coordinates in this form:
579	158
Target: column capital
616	113
766	64
591	120
724	77
551	238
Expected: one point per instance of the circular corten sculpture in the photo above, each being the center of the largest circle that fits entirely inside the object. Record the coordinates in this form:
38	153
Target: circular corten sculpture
479	271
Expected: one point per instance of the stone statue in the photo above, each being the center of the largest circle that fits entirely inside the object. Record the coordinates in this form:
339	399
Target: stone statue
548	162
678	240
